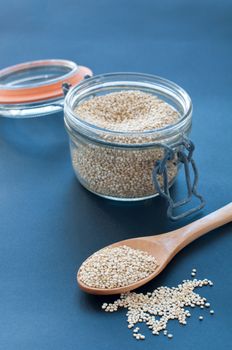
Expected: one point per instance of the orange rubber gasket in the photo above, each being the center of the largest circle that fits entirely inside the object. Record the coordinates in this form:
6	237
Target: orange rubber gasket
43	92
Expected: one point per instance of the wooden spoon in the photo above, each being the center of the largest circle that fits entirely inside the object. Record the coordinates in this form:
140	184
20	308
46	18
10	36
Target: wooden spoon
165	246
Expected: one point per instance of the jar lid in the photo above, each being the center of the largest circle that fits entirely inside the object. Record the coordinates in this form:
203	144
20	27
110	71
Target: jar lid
33	89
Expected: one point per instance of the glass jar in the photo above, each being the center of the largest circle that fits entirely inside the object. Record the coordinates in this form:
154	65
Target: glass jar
120	165
127	166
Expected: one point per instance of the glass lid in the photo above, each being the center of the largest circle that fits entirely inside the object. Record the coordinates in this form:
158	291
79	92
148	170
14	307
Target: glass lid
35	88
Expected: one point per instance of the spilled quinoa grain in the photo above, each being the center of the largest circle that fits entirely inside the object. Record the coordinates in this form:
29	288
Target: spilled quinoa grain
155	309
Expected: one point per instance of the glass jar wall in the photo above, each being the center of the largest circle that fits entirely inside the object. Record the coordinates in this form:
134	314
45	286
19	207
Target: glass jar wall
119	165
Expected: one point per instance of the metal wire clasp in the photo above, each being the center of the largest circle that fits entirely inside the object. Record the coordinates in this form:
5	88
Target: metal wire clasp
183	154
67	86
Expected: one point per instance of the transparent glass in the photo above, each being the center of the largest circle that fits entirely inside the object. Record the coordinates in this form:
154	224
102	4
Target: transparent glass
34	75
119	165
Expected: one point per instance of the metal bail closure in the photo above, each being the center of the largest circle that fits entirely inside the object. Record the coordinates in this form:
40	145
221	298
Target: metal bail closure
66	86
183	154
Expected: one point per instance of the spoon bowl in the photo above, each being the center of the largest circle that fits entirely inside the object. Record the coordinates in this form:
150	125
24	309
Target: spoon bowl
164	247
153	248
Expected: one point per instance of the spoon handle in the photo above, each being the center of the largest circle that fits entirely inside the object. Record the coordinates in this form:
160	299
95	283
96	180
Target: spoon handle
198	228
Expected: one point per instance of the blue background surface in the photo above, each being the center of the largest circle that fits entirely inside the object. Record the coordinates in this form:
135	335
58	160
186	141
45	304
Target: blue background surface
49	223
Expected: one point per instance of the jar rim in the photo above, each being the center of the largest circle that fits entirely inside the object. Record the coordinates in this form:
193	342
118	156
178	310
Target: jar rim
22	84
103	81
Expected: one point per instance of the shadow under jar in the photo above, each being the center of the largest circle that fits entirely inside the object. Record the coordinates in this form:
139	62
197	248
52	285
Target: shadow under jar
120	164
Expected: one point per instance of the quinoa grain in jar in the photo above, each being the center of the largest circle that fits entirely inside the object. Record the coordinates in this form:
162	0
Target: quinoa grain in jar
120	127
